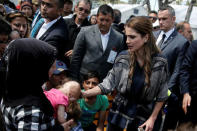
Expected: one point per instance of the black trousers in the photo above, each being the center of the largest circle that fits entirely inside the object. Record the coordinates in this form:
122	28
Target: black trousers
191	115
175	115
2	124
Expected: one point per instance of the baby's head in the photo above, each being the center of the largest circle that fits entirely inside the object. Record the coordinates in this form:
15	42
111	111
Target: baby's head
71	89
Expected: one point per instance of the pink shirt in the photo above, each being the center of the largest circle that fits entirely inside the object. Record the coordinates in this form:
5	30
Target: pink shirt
56	98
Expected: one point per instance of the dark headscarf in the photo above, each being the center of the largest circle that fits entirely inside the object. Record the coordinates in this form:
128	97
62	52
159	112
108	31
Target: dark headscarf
27	62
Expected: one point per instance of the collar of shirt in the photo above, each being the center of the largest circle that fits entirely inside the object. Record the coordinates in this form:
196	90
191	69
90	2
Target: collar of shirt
45	27
167	35
78	25
68	16
48	25
107	34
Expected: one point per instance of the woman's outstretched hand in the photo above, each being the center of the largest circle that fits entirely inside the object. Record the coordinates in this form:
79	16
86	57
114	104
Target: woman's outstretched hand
91	92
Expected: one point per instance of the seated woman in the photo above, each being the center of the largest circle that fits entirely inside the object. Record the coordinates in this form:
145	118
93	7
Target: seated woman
140	77
91	105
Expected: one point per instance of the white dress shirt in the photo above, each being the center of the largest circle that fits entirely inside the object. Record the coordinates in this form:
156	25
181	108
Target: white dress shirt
45	27
105	39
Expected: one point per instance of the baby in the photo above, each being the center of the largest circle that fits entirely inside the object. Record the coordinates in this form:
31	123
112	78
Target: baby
59	98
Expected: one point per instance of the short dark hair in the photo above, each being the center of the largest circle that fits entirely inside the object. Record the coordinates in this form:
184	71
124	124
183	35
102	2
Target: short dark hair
169	8
130	17
105	9
181	26
117	16
153	11
68	2
91	74
85	1
60	3
5	27
91	17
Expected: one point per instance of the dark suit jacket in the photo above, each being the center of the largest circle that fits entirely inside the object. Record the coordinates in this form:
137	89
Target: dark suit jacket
57	36
174	50
88	54
188	73
73	29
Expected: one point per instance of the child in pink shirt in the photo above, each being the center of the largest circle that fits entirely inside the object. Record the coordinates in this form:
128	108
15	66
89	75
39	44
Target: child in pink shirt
60	98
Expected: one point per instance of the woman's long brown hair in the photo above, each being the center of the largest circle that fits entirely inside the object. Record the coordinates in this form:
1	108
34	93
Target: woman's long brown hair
143	26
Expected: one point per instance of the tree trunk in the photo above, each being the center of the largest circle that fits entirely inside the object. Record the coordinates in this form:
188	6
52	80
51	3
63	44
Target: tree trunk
160	3
189	10
164	3
148	5
147	2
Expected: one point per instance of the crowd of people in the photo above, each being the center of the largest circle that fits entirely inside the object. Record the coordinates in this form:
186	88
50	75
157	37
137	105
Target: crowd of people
59	65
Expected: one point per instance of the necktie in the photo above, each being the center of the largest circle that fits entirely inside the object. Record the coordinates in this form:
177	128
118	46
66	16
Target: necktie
162	40
36	28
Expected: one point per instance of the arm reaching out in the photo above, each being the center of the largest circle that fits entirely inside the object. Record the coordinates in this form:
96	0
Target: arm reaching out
151	120
92	92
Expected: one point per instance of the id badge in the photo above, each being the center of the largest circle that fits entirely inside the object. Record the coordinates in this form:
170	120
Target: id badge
112	56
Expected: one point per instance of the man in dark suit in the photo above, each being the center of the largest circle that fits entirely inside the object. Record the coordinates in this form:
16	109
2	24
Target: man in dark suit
96	46
188	83
52	28
75	23
173	47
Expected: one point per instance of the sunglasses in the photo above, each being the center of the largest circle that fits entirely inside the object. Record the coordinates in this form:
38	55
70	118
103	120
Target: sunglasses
82	9
154	18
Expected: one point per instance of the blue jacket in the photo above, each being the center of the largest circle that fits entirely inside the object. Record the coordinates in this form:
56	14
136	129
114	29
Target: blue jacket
188	72
174	50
